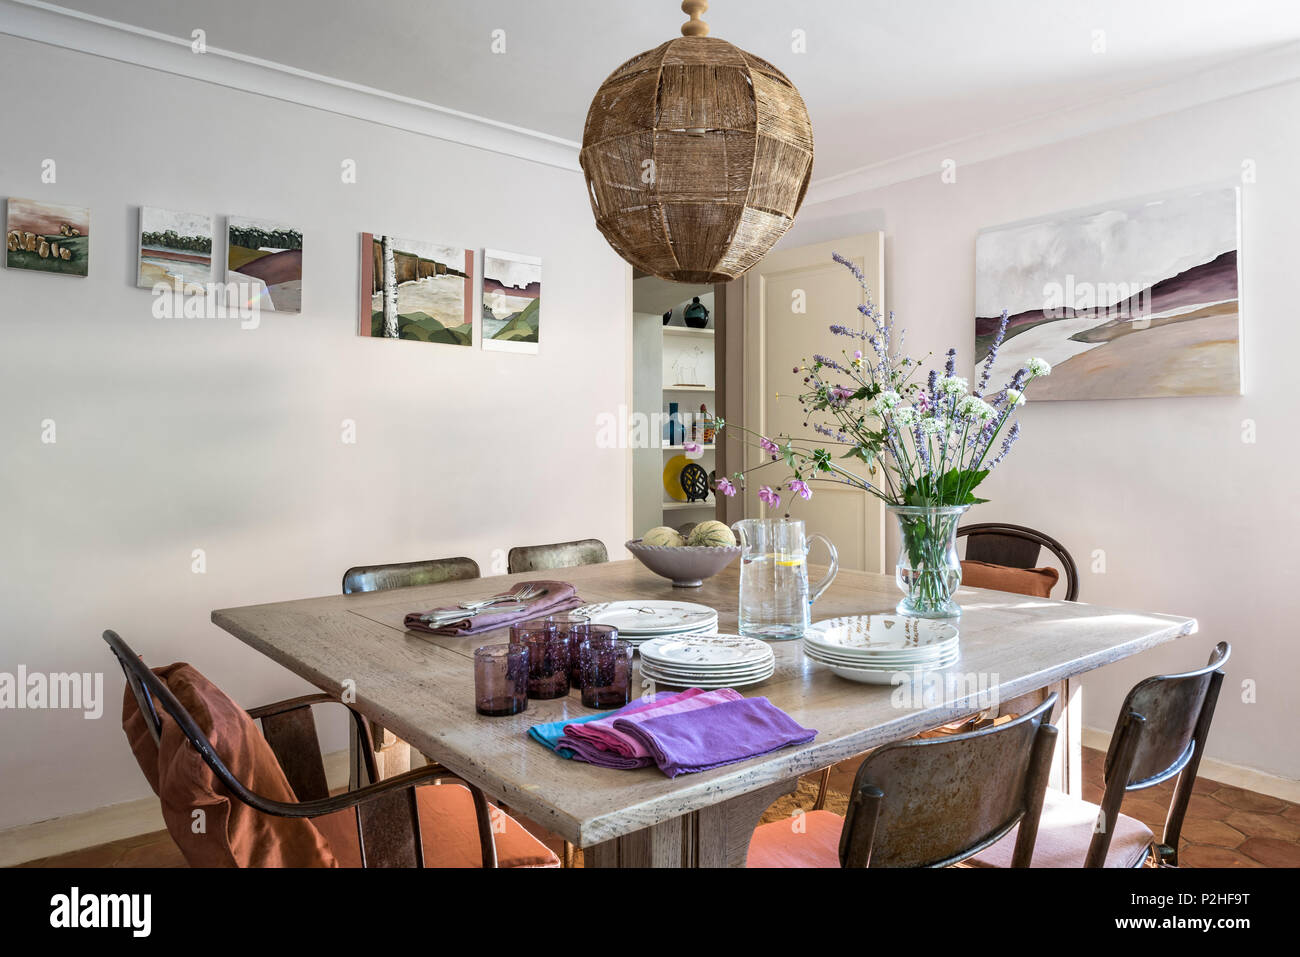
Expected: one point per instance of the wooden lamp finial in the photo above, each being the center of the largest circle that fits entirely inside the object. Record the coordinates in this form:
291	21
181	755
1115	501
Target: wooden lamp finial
695	27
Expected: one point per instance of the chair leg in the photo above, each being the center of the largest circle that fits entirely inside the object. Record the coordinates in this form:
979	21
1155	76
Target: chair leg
823	786
569	855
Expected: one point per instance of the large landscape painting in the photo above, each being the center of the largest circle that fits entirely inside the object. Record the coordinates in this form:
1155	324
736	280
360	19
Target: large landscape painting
417	290
47	237
512	301
1133	300
265	259
175	249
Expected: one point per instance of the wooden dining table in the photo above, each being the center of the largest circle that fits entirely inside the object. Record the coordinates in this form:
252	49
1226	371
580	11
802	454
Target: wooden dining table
421	687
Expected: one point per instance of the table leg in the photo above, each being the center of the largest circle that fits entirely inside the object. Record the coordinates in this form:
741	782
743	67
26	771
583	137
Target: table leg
1067	761
716	836
392	755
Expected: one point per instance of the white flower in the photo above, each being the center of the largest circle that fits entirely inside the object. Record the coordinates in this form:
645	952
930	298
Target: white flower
976	409
1039	367
952	385
932	426
904	417
1015	397
889	399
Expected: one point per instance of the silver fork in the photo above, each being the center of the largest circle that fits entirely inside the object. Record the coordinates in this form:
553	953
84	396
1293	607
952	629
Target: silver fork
525	594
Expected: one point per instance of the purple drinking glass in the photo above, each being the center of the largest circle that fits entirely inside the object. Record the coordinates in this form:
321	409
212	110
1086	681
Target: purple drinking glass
548	657
575	627
605	670
500	679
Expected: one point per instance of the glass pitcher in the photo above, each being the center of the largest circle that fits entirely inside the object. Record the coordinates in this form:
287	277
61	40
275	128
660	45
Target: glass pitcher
774	596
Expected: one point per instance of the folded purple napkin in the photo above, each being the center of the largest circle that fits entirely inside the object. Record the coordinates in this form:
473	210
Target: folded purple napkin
556	597
710	737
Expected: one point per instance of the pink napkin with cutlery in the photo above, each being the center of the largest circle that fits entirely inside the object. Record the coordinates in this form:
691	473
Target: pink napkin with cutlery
555	597
604	736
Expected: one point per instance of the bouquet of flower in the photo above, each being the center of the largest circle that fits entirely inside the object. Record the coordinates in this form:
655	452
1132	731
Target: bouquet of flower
925	442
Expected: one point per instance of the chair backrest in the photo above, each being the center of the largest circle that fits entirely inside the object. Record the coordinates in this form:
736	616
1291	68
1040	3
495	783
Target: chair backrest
245	809
930	802
382	577
528	558
1160	732
1017	546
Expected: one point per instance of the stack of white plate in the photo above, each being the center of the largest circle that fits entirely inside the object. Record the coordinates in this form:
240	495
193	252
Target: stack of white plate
707	661
638	621
874	648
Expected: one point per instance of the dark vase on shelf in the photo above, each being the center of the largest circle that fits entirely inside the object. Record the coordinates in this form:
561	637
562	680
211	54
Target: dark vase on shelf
696	315
668	317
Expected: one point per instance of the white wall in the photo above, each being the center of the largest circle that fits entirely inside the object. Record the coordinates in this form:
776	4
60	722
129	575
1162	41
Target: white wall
1192	520
181	434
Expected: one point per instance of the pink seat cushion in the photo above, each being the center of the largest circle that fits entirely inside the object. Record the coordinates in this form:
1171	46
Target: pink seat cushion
1064	833
805	840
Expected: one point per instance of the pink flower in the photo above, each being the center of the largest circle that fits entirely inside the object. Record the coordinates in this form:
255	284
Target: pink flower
768	497
801	489
726	488
690	448
767	445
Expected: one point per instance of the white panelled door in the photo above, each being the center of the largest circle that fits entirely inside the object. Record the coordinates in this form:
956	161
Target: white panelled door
792	298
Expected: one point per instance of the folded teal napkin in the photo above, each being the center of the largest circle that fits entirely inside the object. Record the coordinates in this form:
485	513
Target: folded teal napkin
549	733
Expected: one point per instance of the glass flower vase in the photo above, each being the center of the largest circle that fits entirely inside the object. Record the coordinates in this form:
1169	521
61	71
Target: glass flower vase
928	569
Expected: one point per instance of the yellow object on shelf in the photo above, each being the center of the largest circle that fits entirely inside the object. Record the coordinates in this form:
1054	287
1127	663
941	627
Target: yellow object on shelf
673	477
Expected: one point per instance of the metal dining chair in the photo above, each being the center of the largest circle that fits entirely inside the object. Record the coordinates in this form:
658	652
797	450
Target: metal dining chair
391	753
529	558
384	826
1017	546
1160	733
927	803
365	578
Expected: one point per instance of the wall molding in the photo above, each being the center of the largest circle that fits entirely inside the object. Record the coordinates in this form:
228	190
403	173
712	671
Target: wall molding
1248	74
84	33
1235	774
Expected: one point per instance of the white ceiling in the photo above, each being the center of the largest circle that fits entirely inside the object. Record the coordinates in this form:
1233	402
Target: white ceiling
882	78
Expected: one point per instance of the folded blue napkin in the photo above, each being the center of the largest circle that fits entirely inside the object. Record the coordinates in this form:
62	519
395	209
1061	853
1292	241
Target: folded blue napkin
549	734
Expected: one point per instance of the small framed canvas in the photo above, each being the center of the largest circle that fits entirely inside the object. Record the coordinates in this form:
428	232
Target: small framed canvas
512	301
264	260
416	290
47	237
175	250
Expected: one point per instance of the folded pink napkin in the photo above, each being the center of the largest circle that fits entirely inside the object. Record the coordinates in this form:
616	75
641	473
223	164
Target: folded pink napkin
604	736
555	597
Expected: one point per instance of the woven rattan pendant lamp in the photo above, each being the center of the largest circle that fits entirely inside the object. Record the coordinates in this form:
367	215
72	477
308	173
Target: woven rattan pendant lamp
697	156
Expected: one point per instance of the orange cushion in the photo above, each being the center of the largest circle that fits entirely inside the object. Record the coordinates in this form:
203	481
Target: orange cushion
450	831
233	834
1064	833
1023	581
806	840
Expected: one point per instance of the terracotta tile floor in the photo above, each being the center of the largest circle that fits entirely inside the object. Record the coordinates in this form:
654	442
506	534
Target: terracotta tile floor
1225	827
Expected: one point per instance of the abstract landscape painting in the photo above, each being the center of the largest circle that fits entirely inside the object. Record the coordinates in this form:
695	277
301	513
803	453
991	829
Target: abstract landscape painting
47	237
1136	299
512	301
417	290
175	249
266	260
